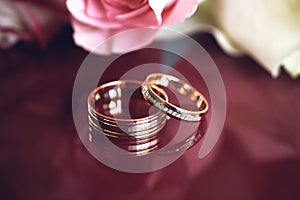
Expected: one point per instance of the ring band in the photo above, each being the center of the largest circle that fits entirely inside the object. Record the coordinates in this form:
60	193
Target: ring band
127	132
108	97
180	87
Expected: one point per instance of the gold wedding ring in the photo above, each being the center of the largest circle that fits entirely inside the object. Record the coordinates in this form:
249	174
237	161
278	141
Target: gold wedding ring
109	114
138	130
182	88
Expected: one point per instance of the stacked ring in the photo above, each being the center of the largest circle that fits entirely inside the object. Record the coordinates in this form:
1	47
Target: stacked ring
108	114
179	86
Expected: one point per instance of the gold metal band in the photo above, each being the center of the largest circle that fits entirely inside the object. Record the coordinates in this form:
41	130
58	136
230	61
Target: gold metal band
108	122
175	84
139	132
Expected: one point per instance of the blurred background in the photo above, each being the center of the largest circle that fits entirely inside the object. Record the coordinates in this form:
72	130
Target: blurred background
41	156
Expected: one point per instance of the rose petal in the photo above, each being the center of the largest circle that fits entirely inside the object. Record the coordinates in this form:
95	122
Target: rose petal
124	16
76	6
95	40
94	9
158	7
132	39
115	8
89	37
180	11
79	13
136	4
142	17
132	13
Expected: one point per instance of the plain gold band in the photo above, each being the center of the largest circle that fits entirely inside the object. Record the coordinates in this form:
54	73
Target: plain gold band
137	128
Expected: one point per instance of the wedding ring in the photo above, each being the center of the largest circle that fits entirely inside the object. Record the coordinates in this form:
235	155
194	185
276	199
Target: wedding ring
111	116
182	88
126	132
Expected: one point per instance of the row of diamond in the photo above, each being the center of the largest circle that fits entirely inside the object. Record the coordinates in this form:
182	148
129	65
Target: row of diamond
187	117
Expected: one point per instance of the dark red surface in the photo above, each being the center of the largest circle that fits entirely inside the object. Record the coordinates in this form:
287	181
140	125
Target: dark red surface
42	157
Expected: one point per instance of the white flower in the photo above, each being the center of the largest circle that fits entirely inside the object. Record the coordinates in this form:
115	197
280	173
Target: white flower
266	30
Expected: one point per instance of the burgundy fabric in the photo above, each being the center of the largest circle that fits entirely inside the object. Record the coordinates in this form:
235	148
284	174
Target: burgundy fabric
42	157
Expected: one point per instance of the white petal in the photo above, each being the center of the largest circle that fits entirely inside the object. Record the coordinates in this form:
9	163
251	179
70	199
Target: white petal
292	64
266	30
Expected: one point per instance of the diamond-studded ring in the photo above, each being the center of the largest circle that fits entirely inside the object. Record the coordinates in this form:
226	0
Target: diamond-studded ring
149	88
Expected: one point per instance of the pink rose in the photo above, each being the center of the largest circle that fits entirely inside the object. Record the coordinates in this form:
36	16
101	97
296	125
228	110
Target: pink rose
96	20
30	20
